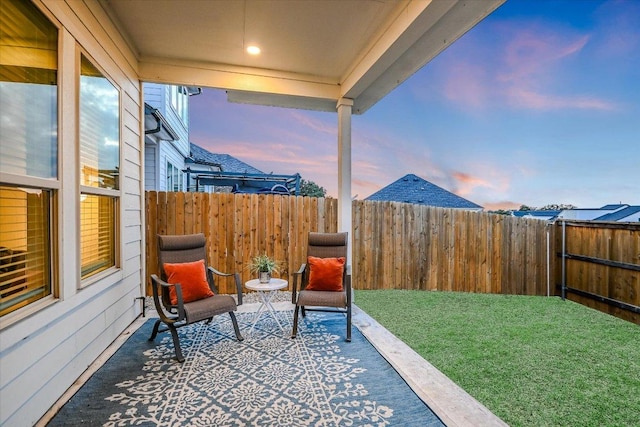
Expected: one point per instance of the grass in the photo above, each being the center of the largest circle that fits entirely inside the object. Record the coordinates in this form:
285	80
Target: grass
533	361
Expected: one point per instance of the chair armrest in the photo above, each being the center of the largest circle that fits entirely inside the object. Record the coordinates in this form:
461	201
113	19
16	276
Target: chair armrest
157	285
236	278
297	281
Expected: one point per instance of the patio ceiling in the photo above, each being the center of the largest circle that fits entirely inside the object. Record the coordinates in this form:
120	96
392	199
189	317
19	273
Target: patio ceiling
314	52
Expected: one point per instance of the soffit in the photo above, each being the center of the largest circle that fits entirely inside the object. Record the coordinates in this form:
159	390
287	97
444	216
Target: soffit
313	51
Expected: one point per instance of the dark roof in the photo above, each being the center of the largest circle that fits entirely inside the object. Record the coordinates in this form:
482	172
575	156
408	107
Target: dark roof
225	161
612	207
618	215
413	189
551	213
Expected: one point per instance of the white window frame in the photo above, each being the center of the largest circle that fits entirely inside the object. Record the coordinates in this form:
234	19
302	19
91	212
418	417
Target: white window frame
115	194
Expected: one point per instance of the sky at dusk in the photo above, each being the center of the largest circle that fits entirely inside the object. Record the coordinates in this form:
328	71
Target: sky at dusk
537	104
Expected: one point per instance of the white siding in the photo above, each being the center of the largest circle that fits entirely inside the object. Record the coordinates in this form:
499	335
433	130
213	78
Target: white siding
154	95
159	96
168	153
46	351
150	170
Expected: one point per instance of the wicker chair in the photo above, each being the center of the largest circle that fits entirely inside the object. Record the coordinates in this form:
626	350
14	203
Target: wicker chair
183	249
322	245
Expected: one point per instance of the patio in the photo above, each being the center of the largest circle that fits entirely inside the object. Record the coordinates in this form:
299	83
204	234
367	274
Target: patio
449	402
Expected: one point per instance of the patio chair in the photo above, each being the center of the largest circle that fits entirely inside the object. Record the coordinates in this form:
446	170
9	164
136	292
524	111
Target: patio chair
187	293
322	282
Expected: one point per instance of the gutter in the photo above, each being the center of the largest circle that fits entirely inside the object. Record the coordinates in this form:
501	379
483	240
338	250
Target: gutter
160	121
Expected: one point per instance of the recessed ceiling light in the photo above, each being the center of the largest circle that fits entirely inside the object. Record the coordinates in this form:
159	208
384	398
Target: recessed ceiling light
253	50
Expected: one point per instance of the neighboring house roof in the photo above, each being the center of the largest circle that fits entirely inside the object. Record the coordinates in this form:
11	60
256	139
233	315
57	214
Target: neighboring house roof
238	175
226	162
619	215
413	189
543	214
613	207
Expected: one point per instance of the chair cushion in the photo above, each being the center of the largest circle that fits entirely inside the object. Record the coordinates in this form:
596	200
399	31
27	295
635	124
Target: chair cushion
192	276
325	274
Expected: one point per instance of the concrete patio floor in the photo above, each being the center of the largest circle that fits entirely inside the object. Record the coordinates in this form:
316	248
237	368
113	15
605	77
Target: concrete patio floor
452	404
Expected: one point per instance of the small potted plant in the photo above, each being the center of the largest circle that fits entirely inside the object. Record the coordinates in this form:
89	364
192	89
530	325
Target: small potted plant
264	266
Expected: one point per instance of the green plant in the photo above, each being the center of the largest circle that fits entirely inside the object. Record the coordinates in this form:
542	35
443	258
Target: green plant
263	263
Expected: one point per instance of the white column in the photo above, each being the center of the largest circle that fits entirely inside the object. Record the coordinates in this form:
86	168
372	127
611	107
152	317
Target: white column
344	107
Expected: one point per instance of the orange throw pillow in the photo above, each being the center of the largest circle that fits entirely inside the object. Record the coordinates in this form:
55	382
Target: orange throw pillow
325	274
192	276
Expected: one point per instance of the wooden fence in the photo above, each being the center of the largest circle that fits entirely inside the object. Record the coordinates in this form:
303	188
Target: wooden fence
395	245
406	246
238	226
601	265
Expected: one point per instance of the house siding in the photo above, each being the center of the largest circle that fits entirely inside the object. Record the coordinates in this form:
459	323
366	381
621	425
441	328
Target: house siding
45	351
181	128
150	168
158	154
168	153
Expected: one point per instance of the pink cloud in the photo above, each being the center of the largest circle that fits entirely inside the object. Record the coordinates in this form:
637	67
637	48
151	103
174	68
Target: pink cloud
362	188
534	52
314	124
523	73
467	183
522	97
505	205
466	85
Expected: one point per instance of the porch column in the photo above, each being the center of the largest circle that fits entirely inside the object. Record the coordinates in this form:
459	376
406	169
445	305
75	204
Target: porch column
344	107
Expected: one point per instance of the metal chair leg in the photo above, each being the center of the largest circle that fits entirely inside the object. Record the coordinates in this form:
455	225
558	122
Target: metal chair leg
156	326
235	326
294	332
349	324
176	343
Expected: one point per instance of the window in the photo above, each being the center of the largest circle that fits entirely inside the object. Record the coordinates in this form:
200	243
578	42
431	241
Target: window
174	178
180	102
29	160
99	169
25	274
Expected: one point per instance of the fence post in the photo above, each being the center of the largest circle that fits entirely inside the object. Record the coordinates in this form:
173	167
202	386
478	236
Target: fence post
564	259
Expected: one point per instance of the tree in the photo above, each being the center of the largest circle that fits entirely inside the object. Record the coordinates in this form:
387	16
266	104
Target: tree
311	189
557	207
501	212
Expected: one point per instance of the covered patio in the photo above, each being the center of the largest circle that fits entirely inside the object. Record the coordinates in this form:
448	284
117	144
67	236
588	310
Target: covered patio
450	403
339	56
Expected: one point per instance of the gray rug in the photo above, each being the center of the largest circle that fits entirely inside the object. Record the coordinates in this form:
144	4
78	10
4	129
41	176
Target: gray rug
269	379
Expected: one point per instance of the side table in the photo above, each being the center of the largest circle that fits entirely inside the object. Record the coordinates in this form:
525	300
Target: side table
266	291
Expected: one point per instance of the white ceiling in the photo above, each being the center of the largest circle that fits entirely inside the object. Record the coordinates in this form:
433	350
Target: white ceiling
314	52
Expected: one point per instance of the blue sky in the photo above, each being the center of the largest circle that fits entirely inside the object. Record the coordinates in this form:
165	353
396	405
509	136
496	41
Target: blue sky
537	104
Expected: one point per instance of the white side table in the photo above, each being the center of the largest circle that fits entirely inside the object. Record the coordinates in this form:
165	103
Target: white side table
266	291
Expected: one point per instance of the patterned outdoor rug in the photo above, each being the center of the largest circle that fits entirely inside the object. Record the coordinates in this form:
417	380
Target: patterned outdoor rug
269	379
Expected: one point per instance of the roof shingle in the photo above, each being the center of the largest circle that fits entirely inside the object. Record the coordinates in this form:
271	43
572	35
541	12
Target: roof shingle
227	162
413	189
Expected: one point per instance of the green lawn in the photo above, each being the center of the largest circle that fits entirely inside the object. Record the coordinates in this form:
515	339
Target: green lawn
533	361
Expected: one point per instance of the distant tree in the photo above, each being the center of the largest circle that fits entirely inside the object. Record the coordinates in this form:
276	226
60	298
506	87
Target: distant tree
501	212
311	189
526	208
557	207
